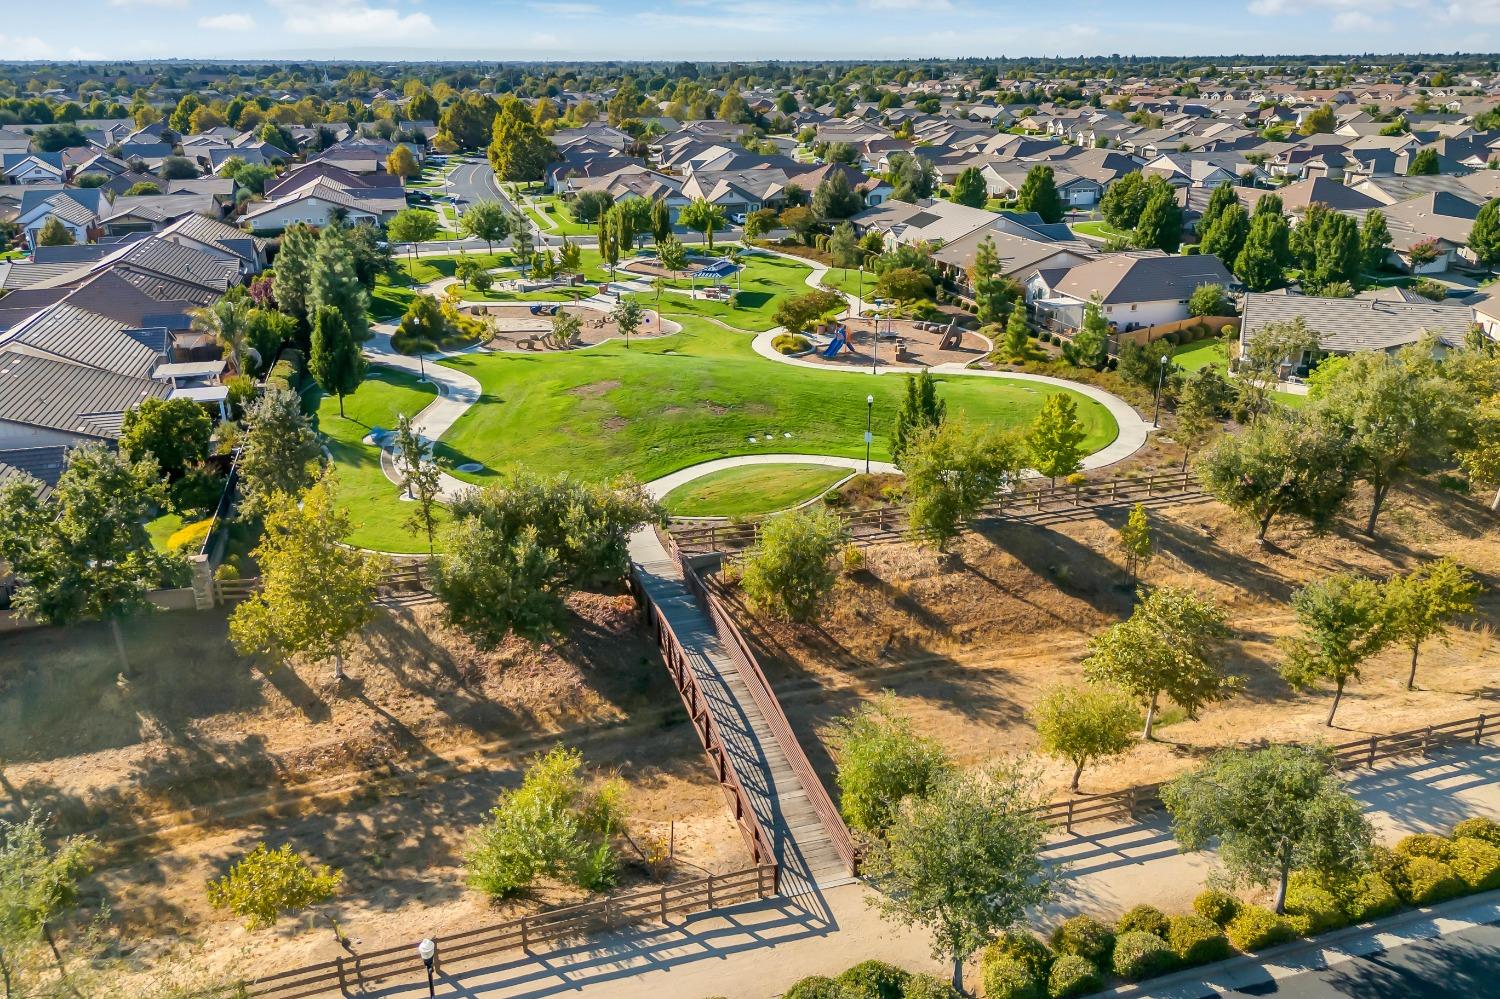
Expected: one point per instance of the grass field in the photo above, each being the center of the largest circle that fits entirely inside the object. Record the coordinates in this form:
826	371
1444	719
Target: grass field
559	221
376	511
668	403
1204	353
1099	230
751	490
761	284
848	281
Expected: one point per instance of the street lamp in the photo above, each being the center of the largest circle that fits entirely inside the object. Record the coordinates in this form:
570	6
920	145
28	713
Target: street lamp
859	299
1161	373
422	364
427	951
869	428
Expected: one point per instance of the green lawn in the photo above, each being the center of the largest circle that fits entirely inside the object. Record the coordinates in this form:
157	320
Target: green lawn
848	281
761	284
1201	354
162	528
1100	230
376	511
668	403
559	220
751	490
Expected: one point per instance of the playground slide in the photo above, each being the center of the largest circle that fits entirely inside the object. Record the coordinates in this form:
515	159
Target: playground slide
839	342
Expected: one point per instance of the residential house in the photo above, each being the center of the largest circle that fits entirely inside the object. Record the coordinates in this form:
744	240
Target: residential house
1135	290
1352	325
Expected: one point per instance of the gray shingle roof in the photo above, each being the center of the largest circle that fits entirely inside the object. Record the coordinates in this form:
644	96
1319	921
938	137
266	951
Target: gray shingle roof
1348	325
71	334
1124	277
69	397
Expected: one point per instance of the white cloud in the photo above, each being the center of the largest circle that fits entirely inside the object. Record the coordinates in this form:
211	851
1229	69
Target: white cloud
568	10
543	40
908	4
227	22
353	20
1474	12
26	47
1354	20
148	3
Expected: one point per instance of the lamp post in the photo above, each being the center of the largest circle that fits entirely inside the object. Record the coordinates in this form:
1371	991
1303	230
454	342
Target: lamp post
874	342
859	299
422	365
869	428
427	951
1161	373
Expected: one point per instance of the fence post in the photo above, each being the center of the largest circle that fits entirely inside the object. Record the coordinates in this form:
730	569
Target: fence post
1069	821
663	903
1479	729
1114	489
343	985
1370	762
710	891
1150	483
203	582
1427	741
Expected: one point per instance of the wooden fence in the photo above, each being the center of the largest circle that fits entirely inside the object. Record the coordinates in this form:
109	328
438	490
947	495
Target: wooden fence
1131	803
757	841
770	708
358	971
403	577
1028	502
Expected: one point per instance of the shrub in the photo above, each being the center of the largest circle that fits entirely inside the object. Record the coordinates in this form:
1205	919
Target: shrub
1311	908
1197	939
852	559
1487	830
925	986
1071	976
1025	948
190	537
1367	896
1476	862
790	343
1256	928
1219	906
1426	881
815	987
1007	978
1423	845
1085	937
1139	955
873	980
1143	919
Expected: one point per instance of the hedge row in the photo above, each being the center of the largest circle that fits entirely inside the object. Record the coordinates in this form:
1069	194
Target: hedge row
873	980
1419	870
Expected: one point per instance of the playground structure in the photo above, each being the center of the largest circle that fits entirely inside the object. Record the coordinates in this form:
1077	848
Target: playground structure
519	327
917	343
839	342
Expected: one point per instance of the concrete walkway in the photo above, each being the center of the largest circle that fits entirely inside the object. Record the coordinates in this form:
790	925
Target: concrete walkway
457	391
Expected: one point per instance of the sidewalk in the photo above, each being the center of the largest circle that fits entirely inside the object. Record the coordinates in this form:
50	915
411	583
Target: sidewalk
757	950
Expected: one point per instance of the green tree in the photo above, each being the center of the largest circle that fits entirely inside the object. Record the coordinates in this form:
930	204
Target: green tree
293	271
790	570
1084	724
1038	193
39	890
514	552
1135	540
227	321
143	189
175	433
1374	240
1124	200
469	120
1343	624
844	248
952	470
1396	412
964	861
1339	256
54	233
1167	646
423	478
1268	353
661	220
1160	225
1424	164
1225	237
277	451
1089	347
1283	464
333	282
835	198
797	312
85	554
486	220
336	363
994	293
1270	812
703	216
920	409
628	315
1205	399
970	189
1209	299
412	226
1421	605
265	884
554	825
1219	202
1017	343
881	762
1318	120
1055	441
316	591
1484	235
1262	261
519	151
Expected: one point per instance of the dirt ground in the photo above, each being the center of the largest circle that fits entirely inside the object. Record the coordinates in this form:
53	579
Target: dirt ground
517	330
199	756
918	346
969	641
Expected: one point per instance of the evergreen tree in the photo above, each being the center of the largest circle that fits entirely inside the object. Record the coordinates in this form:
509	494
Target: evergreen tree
1484	237
332	282
1055	440
1017	334
336	363
1089	347
1218	202
1160	227
969	188
835	198
661	220
1338	251
54	233
1226	236
1303	238
1269	204
1124	200
1374	240
1424	164
1038	194
1261	264
920	409
993	291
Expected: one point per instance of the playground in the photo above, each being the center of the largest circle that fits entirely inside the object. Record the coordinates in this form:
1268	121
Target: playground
524	328
856	342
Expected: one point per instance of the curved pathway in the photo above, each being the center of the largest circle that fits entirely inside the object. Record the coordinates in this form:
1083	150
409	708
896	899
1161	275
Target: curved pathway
658	488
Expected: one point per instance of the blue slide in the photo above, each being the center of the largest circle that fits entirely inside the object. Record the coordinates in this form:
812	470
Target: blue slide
840	342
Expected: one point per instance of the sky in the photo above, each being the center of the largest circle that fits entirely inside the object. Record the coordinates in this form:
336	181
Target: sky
732	29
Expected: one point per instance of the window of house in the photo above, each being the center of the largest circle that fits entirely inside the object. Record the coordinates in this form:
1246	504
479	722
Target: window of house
1134	306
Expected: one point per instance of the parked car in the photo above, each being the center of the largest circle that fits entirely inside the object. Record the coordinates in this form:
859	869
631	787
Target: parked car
738	218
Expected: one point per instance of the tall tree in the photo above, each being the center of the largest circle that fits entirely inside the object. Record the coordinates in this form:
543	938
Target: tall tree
412	226
293	271
402	163
1166	646
1267	354
1422	604
1343	624
1271	811
661	219
277	451
964	861
316	591
970	189
1338	252
1423	164
920	409
1038	193
1263	258
1484	235
1084	724
952	470
1218	202
1135	540
1160	225
84	554
994	293
486	220
1205	400
835	197
790	569
1054	442
333	282
1017	341
1124	200
519	151
336	363
1284	464
54	232
1374	240
174	433
1225	237
702	215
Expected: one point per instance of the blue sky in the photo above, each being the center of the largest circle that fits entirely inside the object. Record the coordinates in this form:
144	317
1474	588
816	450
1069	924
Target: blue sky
718	29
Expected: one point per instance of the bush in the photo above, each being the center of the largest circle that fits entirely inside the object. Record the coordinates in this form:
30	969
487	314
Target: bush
1256	928
1311	908
790	343
1476	862
1007	978
1023	947
1367	896
1426	881
1085	937
873	980
189	538
1196	939
925	986
815	987
1219	906
1071	976
1139	954
1143	919
1423	845
1487	830
852	559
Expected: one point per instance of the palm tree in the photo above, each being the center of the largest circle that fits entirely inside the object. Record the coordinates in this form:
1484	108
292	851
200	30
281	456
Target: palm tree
226	322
